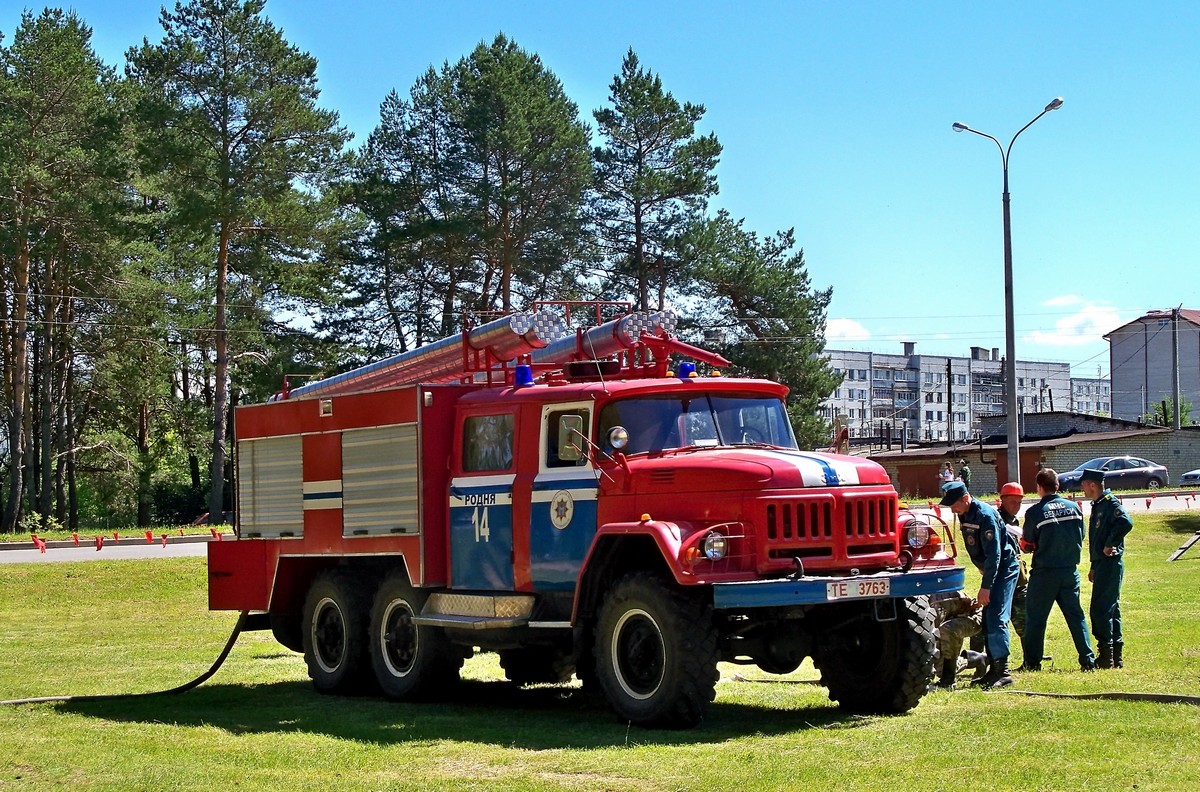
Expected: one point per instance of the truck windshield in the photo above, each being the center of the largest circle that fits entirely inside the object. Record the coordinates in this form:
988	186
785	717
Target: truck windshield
660	423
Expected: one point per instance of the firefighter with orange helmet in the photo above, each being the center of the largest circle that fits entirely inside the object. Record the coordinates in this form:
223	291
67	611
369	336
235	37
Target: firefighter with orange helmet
1011	495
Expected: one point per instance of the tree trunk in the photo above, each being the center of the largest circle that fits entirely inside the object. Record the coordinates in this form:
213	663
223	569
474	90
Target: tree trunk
143	490
17	382
69	458
44	364
216	499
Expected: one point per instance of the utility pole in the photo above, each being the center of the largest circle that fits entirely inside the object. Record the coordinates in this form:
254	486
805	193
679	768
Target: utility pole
1175	364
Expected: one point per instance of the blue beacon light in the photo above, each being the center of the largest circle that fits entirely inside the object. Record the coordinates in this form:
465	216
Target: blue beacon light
686	370
523	375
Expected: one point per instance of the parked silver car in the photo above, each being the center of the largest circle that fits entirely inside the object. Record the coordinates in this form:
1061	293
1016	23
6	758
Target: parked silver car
1120	472
1190	479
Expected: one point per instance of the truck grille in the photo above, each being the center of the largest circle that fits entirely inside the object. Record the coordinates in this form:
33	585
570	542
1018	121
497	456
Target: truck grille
829	530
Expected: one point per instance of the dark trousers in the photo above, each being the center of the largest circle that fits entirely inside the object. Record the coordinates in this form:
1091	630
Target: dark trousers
1047	587
997	613
1106	601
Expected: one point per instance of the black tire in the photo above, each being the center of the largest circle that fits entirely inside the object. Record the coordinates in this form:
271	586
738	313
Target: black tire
656	653
411	662
335	633
881	667
531	666
1154	483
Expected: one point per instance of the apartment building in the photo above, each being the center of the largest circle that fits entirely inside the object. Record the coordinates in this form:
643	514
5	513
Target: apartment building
1091	396
929	398
1144	355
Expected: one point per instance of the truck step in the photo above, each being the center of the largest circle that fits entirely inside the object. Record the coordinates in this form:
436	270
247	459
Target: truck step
476	611
469	622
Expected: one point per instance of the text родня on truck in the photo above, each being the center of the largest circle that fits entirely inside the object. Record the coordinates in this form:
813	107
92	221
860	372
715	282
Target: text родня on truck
569	501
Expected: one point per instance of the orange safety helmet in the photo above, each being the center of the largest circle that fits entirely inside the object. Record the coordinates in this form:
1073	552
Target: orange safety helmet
1012	488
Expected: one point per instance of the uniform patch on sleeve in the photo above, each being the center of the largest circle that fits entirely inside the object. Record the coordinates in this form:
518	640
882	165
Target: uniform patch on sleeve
989	535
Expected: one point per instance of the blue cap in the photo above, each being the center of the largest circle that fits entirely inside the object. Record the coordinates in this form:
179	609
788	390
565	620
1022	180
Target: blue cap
1092	474
952	493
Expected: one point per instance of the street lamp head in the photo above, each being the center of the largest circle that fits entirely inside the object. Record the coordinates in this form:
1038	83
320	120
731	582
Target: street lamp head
959	126
1054	105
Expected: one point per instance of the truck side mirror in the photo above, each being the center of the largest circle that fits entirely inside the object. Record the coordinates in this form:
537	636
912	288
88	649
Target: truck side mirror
570	438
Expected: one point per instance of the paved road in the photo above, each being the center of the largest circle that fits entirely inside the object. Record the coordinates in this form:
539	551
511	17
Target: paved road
179	547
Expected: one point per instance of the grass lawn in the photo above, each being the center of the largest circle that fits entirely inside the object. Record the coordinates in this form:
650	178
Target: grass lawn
129	626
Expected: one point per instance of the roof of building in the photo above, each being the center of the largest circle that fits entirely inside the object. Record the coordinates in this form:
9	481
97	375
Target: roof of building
1187	314
946	451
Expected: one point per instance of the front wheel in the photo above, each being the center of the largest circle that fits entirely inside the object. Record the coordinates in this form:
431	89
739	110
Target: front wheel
1153	484
410	661
877	666
656	653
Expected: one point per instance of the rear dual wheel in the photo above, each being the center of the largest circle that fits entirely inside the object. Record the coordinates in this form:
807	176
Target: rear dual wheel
334	635
410	661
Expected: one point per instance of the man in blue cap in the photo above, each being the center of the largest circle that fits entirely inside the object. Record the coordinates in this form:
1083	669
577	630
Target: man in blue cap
991	550
1054	531
1107	529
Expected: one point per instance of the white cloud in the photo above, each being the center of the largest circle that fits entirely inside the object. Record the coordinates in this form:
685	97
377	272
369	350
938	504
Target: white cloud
1087	325
845	330
1064	301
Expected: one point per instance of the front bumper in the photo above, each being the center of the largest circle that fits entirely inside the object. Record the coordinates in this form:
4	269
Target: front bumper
814	589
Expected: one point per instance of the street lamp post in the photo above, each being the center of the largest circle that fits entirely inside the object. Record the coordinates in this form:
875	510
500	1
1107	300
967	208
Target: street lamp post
1010	361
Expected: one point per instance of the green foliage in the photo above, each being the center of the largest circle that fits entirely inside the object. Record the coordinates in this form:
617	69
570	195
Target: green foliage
183	239
652	172
761	311
228	110
1163	413
472	192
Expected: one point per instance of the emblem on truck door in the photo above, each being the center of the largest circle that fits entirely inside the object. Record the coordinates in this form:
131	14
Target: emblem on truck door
562	509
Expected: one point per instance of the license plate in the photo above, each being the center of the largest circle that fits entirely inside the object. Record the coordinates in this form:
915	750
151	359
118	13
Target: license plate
858	589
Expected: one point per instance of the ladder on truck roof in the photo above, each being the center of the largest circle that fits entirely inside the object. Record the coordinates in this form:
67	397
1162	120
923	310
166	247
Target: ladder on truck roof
539	338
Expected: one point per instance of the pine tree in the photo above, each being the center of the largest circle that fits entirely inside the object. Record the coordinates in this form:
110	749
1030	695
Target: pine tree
233	111
652	172
762	312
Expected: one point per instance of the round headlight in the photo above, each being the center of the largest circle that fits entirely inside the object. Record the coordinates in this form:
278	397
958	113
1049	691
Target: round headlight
916	533
716	546
618	437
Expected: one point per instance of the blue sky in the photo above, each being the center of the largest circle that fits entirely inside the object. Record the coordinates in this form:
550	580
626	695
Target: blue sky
836	120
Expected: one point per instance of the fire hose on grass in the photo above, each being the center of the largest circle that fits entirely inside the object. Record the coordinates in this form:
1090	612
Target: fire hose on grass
237	630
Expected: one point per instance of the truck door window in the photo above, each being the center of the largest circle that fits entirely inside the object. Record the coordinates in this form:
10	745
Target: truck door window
566	438
487	443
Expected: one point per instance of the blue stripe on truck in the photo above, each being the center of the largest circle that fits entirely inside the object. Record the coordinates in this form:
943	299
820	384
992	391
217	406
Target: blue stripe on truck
812	590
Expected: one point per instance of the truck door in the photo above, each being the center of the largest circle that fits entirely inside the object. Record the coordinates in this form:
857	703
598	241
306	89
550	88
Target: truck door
563	501
481	503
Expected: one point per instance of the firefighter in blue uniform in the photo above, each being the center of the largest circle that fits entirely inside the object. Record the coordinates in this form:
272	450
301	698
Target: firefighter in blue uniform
995	554
1107	529
1053	530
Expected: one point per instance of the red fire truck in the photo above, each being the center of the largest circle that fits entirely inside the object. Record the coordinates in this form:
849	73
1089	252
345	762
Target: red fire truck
571	502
